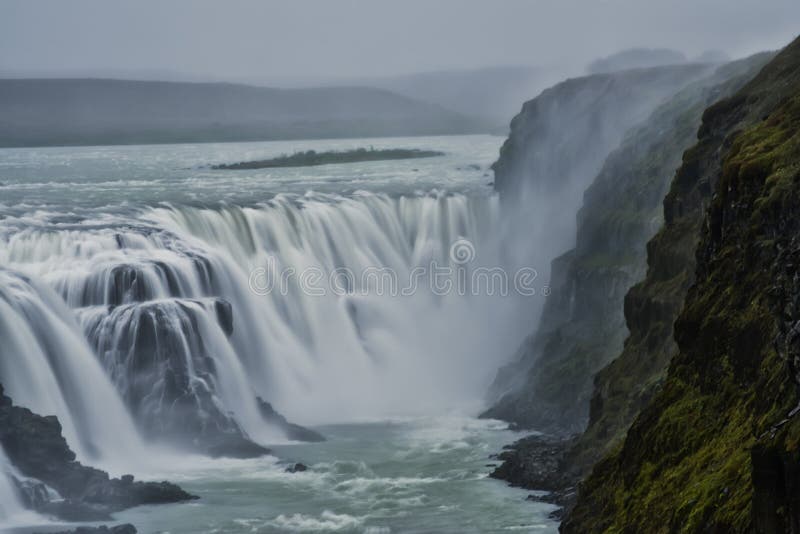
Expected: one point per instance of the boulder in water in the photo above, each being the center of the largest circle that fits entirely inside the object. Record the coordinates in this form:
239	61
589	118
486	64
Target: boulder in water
296	468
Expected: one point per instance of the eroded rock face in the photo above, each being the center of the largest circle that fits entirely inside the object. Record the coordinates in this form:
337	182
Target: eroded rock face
715	449
37	449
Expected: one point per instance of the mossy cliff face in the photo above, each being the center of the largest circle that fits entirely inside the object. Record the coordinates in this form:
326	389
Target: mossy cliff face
726	404
583	326
623	386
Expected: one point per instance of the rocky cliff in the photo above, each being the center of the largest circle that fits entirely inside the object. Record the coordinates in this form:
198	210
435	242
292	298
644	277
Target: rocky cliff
566	132
626	384
583	326
716	447
556	148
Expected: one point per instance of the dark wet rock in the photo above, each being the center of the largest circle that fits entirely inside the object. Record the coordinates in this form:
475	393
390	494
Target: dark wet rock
297	468
127	283
776	484
234	446
167	373
36	447
224	315
126	528
293	431
537	463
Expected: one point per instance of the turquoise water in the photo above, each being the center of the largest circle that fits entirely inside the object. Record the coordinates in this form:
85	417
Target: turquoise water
417	475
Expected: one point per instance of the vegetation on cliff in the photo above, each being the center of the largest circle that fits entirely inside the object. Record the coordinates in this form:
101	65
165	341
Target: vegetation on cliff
623	386
726	405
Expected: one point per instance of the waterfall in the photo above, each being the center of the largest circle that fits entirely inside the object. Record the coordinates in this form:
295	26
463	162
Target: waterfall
158	307
331	357
10	504
46	365
13	512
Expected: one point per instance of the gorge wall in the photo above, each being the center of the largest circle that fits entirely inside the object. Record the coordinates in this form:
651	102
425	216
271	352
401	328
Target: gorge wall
583	325
715	450
557	145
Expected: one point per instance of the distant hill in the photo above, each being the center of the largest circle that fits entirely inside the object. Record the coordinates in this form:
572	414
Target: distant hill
36	112
636	58
494	93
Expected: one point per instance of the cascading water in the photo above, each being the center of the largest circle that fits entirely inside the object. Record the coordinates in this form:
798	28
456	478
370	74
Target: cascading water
307	344
137	321
10	503
155	301
47	366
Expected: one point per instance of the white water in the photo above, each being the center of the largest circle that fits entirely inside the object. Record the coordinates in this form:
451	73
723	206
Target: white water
103	287
324	358
47	366
11	509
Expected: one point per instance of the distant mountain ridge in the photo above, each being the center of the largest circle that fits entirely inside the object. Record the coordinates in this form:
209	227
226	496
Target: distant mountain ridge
35	112
494	93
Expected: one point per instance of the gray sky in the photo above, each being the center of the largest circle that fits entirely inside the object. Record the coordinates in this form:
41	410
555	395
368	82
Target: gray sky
241	39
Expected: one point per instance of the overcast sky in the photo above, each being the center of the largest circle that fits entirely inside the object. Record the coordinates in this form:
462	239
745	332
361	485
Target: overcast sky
240	39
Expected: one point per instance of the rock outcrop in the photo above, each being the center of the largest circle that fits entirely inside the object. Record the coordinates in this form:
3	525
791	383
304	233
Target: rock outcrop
164	357
37	449
716	447
292	431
